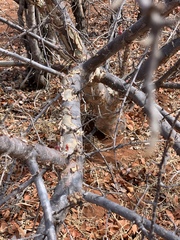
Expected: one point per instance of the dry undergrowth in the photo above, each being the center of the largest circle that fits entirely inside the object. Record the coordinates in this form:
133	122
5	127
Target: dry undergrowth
127	176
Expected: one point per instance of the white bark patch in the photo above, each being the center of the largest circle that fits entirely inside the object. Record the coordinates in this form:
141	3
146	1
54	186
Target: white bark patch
69	144
68	95
67	123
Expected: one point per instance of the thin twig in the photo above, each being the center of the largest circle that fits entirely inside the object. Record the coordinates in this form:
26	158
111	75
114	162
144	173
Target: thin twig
49	103
31	62
20	188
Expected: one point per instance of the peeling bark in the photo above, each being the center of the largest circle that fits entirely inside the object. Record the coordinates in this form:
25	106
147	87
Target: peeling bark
71	148
105	105
140	99
66	31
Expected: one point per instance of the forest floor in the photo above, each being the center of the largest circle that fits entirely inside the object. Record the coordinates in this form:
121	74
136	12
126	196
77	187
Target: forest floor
127	176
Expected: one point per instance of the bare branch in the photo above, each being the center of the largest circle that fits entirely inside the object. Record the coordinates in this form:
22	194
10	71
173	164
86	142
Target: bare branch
156	23
129	215
162	165
11	64
170	72
171	85
31	62
47	43
43	196
169	118
71	147
138	28
166	52
19	149
70	183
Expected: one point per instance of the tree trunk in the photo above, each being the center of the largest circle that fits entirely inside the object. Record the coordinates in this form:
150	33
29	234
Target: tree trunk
79	10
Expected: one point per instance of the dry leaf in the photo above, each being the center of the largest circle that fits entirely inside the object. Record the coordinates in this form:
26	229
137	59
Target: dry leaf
176	200
130	189
170	215
3	226
134	228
